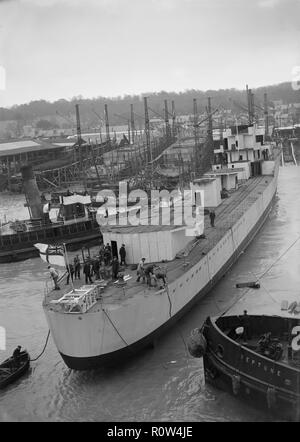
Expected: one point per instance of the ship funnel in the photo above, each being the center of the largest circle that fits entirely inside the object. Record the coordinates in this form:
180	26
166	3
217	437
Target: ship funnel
32	192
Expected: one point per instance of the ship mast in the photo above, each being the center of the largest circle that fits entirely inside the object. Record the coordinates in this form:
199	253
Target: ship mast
196	134
132	124
266	112
107	124
173	119
168	129
79	138
147	130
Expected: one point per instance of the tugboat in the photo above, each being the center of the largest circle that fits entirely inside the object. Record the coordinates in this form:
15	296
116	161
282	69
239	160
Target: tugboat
255	357
72	223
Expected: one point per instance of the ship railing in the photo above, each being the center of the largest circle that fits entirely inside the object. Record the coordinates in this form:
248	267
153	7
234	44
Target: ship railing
47	233
30	225
78	301
76	219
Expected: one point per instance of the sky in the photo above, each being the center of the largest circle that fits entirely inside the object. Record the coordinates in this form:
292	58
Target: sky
52	49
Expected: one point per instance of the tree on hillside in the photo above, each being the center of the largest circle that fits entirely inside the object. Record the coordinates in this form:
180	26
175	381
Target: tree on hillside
46	125
119	107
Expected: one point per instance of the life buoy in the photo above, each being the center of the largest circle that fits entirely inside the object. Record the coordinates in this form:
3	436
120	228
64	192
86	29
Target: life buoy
197	344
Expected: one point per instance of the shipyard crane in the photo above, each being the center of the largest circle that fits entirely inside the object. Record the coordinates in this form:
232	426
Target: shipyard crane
239	105
170	114
101	123
107	124
66	119
198	124
132	123
164	118
128	124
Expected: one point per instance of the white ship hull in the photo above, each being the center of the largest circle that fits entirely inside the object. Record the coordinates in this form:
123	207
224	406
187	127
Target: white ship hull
116	331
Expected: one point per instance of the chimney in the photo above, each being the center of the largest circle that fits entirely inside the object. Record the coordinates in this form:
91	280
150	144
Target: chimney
32	192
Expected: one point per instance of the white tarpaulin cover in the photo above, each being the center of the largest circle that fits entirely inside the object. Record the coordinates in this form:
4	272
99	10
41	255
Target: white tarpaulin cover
76	199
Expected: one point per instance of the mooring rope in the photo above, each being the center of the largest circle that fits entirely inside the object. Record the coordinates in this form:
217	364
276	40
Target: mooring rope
45	346
263	274
115	328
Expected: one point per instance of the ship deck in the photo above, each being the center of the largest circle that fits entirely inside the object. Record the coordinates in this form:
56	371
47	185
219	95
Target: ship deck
227	214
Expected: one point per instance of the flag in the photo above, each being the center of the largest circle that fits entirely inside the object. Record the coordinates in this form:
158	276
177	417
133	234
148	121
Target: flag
54	255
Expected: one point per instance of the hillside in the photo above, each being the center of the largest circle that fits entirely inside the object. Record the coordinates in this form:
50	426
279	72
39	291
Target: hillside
61	113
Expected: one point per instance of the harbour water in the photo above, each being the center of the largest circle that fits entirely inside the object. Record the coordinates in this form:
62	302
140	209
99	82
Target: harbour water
160	384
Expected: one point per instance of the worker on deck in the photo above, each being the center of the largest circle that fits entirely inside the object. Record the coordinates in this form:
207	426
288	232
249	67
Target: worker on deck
161	276
149	272
87	271
141	270
96	267
107	254
123	255
115	268
54	275
71	271
212	216
77	267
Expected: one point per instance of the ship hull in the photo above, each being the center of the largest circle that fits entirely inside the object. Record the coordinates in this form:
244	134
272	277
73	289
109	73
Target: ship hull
246	373
251	391
115	331
102	360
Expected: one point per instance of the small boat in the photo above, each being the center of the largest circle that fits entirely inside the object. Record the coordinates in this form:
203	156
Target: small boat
255	357
9	372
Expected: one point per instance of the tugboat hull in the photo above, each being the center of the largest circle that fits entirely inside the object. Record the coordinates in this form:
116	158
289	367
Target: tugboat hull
247	374
20	246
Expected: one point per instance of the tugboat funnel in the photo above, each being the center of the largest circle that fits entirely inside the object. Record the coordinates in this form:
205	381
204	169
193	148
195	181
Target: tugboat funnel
32	192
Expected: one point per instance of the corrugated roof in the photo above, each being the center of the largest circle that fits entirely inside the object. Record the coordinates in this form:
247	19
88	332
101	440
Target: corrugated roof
138	229
17	147
225	171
